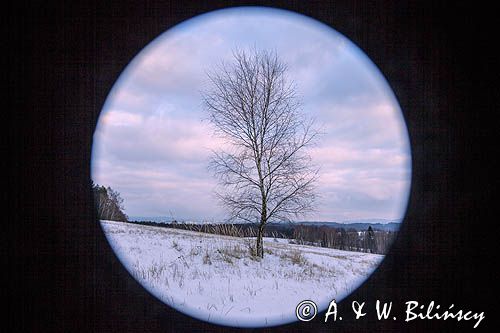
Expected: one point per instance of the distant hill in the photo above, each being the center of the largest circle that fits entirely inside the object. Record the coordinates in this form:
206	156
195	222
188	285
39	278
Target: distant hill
358	225
157	219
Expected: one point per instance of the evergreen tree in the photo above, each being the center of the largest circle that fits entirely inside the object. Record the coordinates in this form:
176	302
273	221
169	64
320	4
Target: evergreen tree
370	237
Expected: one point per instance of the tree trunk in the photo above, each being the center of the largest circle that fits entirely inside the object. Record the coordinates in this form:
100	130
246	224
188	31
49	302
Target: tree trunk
263	218
260	242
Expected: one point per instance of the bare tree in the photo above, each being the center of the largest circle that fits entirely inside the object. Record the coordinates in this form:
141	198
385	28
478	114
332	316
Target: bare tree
265	173
109	203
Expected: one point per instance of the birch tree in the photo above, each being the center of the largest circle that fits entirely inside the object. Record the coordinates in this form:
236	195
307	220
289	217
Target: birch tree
265	173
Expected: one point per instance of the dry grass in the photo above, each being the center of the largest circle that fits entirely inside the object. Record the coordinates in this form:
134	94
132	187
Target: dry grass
176	246
294	256
228	253
206	259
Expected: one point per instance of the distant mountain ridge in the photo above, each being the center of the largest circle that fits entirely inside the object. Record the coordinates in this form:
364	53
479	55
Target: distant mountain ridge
358	225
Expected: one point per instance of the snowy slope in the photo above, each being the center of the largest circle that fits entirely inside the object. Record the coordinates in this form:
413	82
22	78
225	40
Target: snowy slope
214	278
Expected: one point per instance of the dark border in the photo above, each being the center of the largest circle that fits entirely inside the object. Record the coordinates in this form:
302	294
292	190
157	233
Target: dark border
62	60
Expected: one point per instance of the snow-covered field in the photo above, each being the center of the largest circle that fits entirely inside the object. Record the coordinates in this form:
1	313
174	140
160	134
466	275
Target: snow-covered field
214	278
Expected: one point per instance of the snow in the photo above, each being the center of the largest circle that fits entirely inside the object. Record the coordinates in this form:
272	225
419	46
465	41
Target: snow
214	278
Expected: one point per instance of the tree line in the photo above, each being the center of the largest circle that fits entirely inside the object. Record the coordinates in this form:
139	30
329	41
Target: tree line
108	203
348	239
370	240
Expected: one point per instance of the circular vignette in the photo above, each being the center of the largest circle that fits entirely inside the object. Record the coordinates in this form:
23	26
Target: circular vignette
151	145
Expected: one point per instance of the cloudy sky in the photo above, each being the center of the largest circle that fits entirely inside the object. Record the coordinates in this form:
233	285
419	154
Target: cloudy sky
153	142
